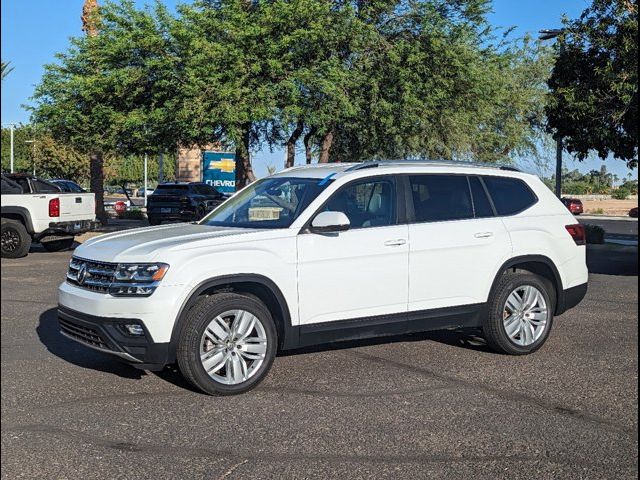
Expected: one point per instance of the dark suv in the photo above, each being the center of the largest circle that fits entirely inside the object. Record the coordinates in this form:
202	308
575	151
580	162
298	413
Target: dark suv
182	202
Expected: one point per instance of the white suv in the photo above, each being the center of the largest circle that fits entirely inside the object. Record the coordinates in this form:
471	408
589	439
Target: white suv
330	252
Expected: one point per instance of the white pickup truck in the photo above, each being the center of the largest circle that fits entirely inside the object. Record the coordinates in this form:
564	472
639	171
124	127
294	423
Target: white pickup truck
34	210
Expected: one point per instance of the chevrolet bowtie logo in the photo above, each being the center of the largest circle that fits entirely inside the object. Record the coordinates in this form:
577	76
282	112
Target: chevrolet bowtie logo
224	165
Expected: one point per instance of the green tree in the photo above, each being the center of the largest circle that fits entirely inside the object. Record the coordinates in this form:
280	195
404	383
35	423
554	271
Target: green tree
6	69
594	86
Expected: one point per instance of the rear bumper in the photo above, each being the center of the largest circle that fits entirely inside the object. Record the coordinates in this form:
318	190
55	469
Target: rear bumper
71	228
182	215
108	335
571	297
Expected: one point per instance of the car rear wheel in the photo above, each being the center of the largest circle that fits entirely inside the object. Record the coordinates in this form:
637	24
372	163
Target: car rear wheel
154	221
520	314
16	241
228	344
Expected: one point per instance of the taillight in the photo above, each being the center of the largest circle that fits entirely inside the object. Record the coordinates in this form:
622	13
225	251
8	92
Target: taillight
54	207
578	233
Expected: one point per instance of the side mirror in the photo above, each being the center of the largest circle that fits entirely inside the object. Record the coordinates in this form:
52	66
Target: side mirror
327	222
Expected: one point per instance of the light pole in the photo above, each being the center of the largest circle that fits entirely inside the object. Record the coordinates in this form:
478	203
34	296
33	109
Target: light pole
33	154
550	34
11	155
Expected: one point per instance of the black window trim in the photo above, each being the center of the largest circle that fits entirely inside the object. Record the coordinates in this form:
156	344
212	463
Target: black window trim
486	192
533	194
400	198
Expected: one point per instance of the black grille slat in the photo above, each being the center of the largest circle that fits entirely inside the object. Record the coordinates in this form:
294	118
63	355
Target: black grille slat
82	333
99	275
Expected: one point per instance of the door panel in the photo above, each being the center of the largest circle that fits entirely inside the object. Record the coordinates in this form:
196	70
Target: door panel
457	244
361	272
453	263
358	273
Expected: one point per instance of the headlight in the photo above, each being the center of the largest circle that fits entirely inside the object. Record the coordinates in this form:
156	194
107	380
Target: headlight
137	279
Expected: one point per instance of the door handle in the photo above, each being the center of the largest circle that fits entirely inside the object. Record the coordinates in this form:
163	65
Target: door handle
395	243
484	235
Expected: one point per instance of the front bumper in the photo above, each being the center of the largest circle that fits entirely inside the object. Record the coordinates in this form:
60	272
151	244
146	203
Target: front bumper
108	335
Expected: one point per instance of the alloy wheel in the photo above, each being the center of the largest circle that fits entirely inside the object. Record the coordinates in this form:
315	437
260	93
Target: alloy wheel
526	315
233	347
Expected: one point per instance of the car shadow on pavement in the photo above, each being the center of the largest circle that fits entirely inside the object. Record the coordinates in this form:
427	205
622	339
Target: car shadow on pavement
468	338
612	260
77	354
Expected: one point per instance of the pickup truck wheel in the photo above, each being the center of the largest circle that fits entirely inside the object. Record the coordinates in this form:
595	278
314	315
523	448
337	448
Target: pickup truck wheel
58	245
520	314
15	239
154	221
228	344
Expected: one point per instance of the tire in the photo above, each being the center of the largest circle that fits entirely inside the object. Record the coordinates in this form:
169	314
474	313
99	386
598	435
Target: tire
503	319
154	221
16	241
58	245
201	211
225	360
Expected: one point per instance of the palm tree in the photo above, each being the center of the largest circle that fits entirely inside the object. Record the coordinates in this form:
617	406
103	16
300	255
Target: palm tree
6	69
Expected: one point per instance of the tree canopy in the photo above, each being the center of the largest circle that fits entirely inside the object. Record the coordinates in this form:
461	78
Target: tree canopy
354	80
594	86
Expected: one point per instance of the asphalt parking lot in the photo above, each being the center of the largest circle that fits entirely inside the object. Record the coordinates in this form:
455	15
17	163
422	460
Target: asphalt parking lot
435	405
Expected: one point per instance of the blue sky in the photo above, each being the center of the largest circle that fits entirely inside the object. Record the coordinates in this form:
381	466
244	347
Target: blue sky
34	30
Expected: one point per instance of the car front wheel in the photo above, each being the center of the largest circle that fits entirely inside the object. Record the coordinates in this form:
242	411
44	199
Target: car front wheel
227	344
520	313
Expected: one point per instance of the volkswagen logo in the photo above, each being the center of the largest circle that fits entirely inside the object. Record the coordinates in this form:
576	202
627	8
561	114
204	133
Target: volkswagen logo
82	274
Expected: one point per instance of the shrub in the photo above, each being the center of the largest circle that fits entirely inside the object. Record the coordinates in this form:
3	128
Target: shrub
594	233
131	215
577	188
621	194
597	211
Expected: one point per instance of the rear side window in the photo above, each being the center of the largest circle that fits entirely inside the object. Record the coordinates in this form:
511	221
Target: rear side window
509	195
481	204
40	186
438	198
172	189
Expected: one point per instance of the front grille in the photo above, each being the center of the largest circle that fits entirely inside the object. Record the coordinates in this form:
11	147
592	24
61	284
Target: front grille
96	276
80	332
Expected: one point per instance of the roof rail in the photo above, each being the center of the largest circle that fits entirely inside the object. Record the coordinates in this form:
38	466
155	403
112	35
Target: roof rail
377	163
363	165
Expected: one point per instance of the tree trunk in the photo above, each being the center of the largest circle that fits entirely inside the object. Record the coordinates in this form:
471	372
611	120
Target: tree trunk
96	171
325	146
307	143
291	144
244	170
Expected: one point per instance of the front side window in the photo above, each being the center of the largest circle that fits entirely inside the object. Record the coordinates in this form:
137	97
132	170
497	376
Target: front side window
273	202
439	198
509	195
367	204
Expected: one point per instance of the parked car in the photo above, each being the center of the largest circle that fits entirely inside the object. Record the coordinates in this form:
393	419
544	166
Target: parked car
182	202
140	192
633	213
34	210
574	205
317	254
68	186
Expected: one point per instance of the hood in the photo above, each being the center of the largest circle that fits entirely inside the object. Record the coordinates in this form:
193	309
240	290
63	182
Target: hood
144	244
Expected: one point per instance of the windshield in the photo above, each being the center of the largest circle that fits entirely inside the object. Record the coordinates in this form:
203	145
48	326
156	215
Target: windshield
268	203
